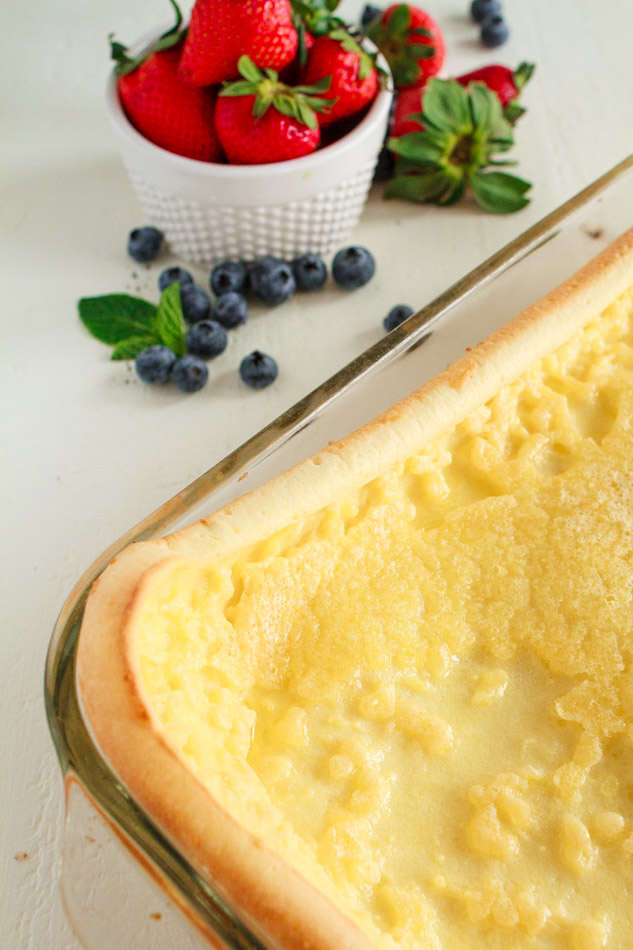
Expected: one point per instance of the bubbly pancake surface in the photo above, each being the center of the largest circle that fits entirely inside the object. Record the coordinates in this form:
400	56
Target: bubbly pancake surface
422	695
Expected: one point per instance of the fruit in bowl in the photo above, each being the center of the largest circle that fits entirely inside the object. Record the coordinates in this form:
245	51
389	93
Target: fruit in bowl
265	161
212	91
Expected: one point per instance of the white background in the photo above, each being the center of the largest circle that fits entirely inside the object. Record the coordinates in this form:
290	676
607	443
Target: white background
87	450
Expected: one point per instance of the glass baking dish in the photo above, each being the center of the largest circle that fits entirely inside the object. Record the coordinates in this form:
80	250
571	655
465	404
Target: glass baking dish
124	884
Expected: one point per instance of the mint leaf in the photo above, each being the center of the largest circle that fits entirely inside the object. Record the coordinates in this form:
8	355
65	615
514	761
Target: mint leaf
116	317
499	192
169	323
129	349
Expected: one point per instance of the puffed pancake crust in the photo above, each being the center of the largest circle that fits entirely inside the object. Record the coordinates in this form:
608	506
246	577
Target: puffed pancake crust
386	700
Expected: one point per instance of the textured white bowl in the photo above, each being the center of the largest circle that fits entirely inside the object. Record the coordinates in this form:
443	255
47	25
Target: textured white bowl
209	212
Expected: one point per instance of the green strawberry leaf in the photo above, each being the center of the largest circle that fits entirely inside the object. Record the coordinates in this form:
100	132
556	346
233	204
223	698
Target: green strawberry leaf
485	109
261	107
247	68
399	21
169	323
130	348
314	16
499	192
513	111
416	187
307	115
523	74
419	146
241	87
420	51
112	318
301	43
315	90
446	106
125	65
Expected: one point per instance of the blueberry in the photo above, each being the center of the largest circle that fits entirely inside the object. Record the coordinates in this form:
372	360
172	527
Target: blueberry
195	303
172	274
369	14
189	373
309	271
154	364
481	9
229	275
494	31
352	267
396	316
258	370
271	280
143	244
230	310
206	338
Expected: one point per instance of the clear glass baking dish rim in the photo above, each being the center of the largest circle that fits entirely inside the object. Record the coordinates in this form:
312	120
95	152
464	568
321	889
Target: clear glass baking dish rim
79	757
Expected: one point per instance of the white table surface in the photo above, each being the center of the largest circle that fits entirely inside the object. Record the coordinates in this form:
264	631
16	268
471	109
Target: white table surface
87	449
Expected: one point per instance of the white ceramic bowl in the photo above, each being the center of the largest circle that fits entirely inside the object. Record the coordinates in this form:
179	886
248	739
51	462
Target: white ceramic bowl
209	212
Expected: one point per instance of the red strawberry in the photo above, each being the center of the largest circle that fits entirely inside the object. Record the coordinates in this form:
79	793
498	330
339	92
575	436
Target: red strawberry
408	102
173	116
220	31
354	79
411	42
506	83
260	120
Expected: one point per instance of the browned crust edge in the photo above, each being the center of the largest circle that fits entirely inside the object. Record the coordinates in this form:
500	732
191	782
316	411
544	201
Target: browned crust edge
260	886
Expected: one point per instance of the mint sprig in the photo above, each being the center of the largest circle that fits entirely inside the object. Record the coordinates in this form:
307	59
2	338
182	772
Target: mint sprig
463	132
131	324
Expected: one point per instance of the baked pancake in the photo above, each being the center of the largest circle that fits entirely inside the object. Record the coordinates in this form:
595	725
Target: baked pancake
386	700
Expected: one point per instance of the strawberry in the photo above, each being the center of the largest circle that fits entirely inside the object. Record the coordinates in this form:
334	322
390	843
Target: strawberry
260	120
354	78
506	83
314	18
454	151
408	104
220	31
411	42
173	116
